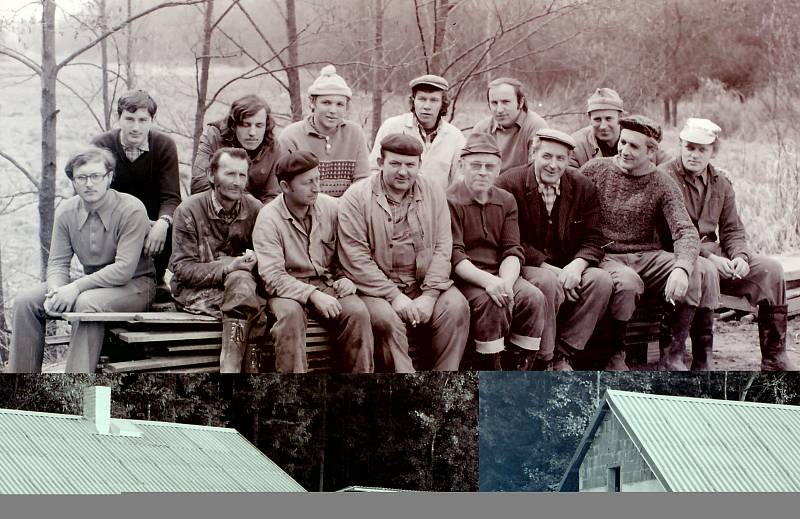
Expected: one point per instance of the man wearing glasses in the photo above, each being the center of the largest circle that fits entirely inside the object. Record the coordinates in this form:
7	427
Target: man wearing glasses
507	311
106	231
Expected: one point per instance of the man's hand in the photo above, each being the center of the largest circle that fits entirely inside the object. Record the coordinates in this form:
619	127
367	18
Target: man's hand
62	299
424	306
244	262
154	243
344	287
677	284
740	267
570	278
724	266
499	293
327	306
406	309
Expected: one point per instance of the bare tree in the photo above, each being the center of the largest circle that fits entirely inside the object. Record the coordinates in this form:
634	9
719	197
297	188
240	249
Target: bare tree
377	71
293	72
203	62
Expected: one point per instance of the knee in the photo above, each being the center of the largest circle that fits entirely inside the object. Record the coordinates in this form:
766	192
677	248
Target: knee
624	282
86	302
384	319
598	281
240	280
705	274
454	306
354	310
287	311
30	300
529	294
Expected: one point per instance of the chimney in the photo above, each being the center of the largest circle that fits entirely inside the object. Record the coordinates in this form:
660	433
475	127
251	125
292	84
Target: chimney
97	408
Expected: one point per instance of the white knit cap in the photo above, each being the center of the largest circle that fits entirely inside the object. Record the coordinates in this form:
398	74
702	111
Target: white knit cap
329	83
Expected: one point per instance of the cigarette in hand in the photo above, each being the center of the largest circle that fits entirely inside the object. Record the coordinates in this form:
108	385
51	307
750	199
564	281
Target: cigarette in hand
671	301
413	323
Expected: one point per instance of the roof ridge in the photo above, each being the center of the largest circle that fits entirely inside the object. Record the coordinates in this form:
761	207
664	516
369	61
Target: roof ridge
714	401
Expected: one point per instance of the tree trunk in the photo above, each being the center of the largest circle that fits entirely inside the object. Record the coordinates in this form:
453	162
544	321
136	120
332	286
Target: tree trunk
202	81
101	5
377	71
667	112
47	183
674	111
441	11
4	341
130	81
293	74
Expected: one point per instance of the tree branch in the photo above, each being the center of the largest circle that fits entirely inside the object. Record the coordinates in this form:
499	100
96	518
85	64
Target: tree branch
422	36
25	60
84	101
121	25
20	167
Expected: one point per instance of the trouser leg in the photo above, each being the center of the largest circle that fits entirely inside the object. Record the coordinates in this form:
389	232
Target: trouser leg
27	327
547	283
389	333
240	307
450	328
86	339
354	336
627	287
577	320
289	335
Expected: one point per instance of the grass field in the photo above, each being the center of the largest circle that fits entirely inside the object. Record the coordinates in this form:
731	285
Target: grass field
754	164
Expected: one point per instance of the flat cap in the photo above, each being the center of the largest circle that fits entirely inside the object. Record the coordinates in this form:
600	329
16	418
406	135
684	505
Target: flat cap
295	163
700	131
604	99
479	142
402	144
551	134
641	124
430	79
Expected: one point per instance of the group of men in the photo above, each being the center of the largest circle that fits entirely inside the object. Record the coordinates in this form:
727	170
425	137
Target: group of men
520	240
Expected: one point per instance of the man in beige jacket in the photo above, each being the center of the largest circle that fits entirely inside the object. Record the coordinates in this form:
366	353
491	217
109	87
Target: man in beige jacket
395	245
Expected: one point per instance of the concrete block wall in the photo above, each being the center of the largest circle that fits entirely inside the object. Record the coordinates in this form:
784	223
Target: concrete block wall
612	446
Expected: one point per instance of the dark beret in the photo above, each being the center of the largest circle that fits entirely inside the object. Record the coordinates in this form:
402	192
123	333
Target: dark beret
402	144
295	163
479	142
641	124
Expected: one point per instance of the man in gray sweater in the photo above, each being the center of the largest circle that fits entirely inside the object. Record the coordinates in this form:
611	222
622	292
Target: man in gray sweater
634	196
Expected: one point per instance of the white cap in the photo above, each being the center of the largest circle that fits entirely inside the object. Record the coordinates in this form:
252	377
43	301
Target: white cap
700	131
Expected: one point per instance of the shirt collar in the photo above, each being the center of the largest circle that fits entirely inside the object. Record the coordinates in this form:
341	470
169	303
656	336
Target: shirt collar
378	188
693	177
312	130
219	211
144	146
463	195
518	122
110	201
544	188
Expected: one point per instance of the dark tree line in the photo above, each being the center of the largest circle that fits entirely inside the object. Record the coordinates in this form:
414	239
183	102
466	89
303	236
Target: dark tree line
416	432
531	423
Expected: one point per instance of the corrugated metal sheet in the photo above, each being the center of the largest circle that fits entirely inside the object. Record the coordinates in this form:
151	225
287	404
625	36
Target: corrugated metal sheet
704	445
47	453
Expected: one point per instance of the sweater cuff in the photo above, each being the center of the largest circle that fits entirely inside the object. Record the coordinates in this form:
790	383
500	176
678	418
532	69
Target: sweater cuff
685	265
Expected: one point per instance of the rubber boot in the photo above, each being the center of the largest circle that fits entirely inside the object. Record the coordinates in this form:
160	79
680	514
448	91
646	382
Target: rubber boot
772	338
234	342
616	336
702	335
675	327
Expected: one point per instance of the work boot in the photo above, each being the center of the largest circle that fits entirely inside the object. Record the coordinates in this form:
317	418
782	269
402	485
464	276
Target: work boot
234	342
702	335
562	357
772	338
514	358
616	338
539	363
675	327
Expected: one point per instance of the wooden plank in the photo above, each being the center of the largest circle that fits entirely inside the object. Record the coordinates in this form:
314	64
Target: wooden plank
143	317
193	347
52	340
791	265
197	369
140	337
735	303
160	363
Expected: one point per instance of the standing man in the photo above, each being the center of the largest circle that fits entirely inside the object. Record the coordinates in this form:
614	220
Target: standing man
711	203
212	261
634	197
487	256
339	144
601	137
147	168
512	123
295	241
249	126
559	221
441	141
395	245
106	231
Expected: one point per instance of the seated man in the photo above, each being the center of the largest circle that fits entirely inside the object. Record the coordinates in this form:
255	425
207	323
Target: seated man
601	137
634	197
147	168
559	222
487	255
512	123
395	245
711	203
212	263
295	241
441	141
248	126
106	231
340	145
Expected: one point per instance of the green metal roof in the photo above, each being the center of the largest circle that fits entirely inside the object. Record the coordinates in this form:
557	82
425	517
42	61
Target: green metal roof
705	445
52	453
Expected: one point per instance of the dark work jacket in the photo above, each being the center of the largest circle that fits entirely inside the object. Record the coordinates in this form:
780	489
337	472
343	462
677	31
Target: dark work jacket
718	223
578	225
